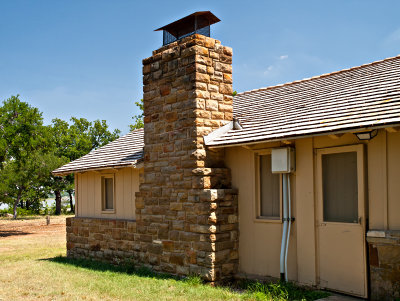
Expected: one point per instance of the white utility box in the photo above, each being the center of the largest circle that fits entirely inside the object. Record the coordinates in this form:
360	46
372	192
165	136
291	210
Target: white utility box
283	160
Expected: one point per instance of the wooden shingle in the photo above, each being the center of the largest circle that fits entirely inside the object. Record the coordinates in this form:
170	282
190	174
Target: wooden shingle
122	152
351	99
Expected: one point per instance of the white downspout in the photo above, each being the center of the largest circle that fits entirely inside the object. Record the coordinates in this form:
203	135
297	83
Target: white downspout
289	224
285	227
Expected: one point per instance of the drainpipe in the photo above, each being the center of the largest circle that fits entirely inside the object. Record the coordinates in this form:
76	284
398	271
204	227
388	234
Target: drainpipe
285	227
289	222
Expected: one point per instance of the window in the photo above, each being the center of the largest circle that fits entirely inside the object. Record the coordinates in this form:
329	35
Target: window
107	192
269	190
340	187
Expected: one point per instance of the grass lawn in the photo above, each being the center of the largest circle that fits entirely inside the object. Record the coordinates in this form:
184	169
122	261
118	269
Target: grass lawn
34	267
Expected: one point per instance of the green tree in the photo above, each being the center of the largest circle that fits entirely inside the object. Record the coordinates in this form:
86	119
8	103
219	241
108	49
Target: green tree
74	141
20	130
29	151
19	180
22	138
138	119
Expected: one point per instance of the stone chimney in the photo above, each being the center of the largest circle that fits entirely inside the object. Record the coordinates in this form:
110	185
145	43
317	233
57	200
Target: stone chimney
186	210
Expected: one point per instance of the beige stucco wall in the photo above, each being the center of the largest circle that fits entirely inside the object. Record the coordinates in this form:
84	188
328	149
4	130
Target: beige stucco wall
259	242
88	193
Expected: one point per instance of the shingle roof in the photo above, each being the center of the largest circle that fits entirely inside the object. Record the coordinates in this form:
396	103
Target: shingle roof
124	151
350	99
359	97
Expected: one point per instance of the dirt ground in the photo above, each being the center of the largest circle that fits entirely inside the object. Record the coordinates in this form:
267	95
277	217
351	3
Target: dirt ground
31	226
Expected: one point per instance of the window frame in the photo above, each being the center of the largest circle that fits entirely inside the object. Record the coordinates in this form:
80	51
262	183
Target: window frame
361	185
103	199
257	189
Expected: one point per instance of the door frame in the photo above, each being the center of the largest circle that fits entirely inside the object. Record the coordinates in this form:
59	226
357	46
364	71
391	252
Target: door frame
362	201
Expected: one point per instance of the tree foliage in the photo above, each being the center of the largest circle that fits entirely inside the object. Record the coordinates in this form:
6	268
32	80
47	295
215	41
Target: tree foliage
21	130
73	141
138	119
30	151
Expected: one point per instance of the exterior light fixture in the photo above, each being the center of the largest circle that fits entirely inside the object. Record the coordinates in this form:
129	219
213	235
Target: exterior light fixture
367	135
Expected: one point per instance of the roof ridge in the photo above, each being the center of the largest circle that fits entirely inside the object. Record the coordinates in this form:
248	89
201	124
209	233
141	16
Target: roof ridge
319	76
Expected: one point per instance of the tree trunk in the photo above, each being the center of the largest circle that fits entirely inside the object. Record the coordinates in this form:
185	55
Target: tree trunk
21	204
58	202
15	206
70	201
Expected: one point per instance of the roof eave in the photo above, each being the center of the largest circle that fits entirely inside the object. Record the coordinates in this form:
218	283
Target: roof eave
138	164
316	134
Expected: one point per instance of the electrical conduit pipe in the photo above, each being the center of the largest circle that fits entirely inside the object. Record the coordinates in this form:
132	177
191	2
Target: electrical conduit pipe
285	227
289	222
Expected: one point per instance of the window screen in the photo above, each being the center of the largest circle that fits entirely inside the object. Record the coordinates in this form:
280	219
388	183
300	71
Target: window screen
108	193
269	189
340	192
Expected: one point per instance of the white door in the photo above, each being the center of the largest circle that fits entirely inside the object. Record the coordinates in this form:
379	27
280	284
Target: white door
340	221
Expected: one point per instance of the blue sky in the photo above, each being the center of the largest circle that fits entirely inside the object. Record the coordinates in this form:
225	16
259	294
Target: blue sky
83	58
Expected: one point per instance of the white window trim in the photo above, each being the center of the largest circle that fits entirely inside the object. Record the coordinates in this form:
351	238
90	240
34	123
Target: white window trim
257	198
103	205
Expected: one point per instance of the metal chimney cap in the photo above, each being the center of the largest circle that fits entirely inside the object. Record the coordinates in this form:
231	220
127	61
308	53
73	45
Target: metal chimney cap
198	22
205	17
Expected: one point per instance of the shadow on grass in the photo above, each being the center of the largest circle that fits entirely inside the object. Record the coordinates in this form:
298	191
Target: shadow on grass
12	233
98	266
249	289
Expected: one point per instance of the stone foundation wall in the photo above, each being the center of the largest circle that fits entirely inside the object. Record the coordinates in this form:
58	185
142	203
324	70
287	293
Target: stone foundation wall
384	263
106	240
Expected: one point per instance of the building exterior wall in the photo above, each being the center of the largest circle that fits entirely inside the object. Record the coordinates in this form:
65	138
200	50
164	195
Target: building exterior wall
114	238
260	241
88	193
393	165
188	215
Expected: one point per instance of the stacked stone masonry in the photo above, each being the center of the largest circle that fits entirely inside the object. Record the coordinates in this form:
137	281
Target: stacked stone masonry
101	239
186	212
384	263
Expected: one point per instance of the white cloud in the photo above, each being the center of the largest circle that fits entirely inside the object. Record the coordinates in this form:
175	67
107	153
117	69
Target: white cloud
269	69
393	37
277	67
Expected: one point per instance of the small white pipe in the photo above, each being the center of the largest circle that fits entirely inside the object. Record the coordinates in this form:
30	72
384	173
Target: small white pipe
289	225
285	226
